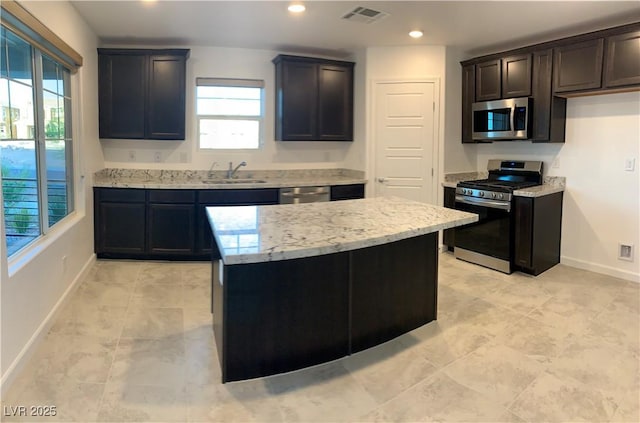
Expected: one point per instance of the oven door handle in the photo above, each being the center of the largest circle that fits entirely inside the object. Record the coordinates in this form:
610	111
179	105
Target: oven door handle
502	205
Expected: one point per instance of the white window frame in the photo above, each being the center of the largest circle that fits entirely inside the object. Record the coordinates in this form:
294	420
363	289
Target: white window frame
232	82
45	227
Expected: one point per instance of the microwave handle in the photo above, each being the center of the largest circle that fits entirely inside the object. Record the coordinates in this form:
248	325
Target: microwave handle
513	118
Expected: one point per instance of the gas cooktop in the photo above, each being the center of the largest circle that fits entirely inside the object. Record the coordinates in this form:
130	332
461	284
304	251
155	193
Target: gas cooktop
497	185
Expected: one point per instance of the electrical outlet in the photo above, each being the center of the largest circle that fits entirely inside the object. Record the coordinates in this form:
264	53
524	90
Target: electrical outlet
157	157
556	163
625	252
132	155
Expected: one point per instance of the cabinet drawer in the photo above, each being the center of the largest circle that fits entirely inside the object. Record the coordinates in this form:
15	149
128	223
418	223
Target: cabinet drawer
172	196
121	195
239	196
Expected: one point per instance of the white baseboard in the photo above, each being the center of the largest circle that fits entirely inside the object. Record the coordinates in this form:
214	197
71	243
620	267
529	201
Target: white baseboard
599	268
25	354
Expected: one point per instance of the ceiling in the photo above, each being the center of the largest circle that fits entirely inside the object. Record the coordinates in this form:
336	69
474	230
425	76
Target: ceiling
474	27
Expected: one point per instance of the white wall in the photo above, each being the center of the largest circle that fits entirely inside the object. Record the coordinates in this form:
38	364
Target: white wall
230	63
601	206
458	157
33	286
356	157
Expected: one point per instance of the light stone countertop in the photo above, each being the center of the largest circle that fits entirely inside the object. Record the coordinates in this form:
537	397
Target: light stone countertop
550	184
202	179
254	234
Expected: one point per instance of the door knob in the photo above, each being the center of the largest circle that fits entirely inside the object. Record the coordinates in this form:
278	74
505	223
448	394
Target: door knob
382	180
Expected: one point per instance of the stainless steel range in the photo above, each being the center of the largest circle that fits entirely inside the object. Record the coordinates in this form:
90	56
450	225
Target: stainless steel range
489	242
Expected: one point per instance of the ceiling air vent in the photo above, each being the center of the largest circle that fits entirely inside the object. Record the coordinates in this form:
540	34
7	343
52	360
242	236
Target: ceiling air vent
364	15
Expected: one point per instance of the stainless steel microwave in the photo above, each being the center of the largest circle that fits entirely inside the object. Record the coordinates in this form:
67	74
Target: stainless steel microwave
508	119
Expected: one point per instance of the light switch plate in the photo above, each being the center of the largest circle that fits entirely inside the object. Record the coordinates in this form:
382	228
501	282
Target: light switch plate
630	164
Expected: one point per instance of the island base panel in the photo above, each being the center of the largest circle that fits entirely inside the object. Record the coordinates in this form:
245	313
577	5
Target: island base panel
283	315
394	289
279	316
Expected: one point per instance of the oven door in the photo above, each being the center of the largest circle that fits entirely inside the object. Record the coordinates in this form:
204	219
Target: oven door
489	241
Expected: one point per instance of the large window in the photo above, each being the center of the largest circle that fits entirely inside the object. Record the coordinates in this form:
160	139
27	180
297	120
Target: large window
35	141
229	113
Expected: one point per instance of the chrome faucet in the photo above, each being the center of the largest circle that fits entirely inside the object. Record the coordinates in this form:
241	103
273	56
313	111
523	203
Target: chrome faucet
232	171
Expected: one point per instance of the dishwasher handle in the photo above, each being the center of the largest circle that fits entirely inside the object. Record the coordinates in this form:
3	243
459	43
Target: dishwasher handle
304	195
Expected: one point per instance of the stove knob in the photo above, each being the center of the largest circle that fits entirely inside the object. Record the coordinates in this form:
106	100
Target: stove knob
493	195
500	196
481	193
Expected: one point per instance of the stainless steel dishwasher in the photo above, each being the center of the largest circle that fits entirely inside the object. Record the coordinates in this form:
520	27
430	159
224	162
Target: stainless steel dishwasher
304	195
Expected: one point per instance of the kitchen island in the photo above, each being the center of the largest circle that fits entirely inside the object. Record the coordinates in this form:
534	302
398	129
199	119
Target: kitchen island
302	284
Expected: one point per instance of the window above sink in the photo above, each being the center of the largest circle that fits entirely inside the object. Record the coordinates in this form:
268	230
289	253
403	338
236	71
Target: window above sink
230	113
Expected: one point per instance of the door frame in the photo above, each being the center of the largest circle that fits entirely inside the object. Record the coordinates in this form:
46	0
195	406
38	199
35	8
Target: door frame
438	135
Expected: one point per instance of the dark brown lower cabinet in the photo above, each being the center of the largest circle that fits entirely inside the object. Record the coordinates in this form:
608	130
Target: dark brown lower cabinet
449	235
538	226
119	227
279	316
171	229
171	224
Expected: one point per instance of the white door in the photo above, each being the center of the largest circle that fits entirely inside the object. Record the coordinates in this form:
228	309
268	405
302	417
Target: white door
404	138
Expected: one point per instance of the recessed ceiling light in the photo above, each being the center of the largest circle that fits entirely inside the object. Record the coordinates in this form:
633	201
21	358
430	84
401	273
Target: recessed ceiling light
416	34
296	8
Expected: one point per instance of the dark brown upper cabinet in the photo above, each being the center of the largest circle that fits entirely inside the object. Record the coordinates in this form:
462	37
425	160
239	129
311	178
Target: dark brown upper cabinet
468	97
549	111
488	80
503	78
578	66
622	60
314	99
587	64
516	76
141	93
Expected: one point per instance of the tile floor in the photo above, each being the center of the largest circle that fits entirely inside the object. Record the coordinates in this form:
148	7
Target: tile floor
135	344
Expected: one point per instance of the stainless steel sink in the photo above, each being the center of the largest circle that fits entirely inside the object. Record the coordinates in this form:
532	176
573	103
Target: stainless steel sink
233	181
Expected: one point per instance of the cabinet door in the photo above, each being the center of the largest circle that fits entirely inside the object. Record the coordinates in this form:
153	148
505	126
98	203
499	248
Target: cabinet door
578	66
335	103
516	76
121	95
523	209
468	97
297	99
120	228
549	111
488	80
622	62
166	105
171	229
